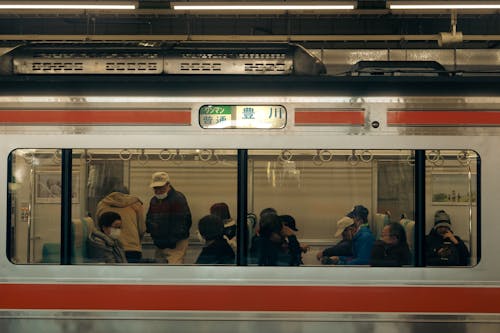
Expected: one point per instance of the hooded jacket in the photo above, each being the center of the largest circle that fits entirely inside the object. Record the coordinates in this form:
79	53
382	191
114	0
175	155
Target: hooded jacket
104	249
131	211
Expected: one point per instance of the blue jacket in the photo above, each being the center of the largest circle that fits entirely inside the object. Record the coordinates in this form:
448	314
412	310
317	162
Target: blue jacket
362	244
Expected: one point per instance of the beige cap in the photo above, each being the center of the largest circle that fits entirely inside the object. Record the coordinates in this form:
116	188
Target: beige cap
159	179
342	224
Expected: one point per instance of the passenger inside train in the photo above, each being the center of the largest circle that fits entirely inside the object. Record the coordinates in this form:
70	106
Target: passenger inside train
103	245
345	229
392	249
297	183
216	250
444	248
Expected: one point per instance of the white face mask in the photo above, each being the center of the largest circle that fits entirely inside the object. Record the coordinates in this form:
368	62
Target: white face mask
115	233
161	196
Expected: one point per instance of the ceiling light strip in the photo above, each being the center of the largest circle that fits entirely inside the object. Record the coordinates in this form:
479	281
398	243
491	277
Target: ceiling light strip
90	5
261	6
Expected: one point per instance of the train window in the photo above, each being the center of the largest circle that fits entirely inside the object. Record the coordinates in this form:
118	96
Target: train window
451	207
311	192
126	182
35	206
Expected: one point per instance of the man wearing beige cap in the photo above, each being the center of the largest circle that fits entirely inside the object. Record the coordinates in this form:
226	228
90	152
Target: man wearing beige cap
168	220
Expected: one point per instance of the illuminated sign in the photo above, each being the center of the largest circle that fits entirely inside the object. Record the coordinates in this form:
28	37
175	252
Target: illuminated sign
242	116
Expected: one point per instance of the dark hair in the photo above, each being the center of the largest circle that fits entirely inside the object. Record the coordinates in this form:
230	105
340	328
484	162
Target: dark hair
108	218
221	209
270	223
211	227
397	230
267	211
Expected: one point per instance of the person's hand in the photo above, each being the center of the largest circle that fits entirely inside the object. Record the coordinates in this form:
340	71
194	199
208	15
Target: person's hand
304	248
319	255
286	231
450	236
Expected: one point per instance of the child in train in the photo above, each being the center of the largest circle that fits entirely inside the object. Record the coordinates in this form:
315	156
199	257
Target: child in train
216	249
443	247
392	249
103	244
345	228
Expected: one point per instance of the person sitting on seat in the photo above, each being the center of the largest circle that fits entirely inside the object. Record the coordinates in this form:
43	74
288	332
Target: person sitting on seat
443	247
345	228
103	244
392	249
216	250
362	241
221	210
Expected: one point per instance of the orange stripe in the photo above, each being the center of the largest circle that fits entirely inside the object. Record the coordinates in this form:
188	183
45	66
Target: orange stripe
444	118
250	298
329	117
97	117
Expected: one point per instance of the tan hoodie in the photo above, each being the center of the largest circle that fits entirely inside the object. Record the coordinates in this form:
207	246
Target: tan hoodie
131	211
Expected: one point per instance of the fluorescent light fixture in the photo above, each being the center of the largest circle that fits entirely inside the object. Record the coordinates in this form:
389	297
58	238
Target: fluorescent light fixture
258	6
97	5
444	5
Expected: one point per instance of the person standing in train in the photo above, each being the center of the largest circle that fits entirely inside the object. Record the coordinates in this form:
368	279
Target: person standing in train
362	240
103	245
168	220
392	249
443	247
133	220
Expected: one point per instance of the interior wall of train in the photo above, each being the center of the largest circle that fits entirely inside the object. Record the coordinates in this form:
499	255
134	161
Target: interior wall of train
316	187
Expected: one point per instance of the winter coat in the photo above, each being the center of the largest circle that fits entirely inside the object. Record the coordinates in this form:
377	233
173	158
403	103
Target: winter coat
389	255
218	252
133	220
103	249
362	243
169	220
453	255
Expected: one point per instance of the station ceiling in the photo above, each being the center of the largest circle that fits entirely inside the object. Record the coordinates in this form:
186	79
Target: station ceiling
370	26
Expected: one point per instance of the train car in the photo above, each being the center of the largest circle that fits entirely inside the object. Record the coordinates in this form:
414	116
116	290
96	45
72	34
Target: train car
309	146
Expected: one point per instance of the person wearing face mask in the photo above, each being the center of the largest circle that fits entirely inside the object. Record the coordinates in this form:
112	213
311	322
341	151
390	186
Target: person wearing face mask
443	247
132	215
103	244
168	220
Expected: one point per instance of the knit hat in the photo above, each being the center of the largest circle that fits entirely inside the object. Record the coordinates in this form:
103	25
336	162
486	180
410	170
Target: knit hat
441	219
342	224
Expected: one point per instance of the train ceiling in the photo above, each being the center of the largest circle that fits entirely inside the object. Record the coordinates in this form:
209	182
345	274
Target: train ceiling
371	24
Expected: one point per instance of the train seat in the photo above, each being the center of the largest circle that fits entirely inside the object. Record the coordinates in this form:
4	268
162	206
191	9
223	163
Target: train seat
51	253
409	226
379	222
80	230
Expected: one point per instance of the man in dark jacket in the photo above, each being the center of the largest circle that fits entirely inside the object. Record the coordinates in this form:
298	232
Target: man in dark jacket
345	228
168	220
443	248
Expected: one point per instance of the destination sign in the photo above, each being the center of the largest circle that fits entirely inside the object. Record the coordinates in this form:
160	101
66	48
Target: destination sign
242	116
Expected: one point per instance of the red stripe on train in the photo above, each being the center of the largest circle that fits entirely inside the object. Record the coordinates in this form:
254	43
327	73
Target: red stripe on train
443	118
329	117
250	298
97	117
